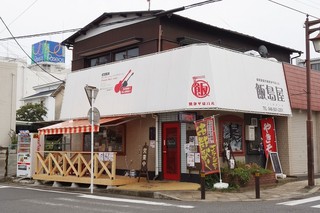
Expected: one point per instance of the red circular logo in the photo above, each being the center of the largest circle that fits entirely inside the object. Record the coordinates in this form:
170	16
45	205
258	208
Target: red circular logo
200	89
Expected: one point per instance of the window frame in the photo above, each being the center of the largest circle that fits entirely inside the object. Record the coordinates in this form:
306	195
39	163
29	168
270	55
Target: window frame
101	140
231	119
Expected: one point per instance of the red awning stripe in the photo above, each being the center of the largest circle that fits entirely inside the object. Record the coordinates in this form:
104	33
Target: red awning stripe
74	126
69	130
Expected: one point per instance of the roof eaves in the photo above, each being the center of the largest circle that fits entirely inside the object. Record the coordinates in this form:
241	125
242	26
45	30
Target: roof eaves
70	40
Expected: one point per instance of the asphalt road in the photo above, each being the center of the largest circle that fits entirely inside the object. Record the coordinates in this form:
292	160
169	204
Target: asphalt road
16	199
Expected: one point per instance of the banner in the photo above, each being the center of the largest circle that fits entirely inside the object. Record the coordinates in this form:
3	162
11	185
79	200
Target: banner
207	145
268	133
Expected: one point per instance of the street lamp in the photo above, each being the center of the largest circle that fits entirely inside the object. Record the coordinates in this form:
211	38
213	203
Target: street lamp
316	44
92	93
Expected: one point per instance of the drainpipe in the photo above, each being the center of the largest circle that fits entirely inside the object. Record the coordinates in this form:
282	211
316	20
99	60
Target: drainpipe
157	147
291	60
159	38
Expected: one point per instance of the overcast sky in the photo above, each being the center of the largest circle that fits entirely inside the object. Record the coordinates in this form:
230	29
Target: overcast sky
262	19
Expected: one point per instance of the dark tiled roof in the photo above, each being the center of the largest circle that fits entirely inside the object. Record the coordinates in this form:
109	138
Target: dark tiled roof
39	94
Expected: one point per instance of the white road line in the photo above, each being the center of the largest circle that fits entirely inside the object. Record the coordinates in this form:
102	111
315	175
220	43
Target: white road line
42	190
317	206
96	203
302	201
135	201
2	187
67	206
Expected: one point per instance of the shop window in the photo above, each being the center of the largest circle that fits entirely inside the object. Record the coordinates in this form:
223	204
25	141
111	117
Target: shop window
54	143
232	133
109	139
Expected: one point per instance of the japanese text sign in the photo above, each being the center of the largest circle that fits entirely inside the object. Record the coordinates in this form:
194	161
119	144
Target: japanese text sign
207	145
268	135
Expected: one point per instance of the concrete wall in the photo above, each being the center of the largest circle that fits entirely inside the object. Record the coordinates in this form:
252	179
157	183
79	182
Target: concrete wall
12	163
8	75
58	104
283	143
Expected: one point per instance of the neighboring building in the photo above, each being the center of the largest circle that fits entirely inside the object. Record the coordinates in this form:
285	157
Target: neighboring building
8	87
38	81
44	96
29	76
155	93
294	155
314	63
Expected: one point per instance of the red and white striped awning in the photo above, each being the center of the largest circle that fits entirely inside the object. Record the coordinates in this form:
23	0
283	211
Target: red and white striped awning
74	126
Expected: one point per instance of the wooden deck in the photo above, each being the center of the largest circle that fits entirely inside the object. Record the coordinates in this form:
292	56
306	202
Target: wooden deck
119	181
75	167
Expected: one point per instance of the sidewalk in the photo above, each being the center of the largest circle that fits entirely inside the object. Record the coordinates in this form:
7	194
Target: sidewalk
191	191
186	191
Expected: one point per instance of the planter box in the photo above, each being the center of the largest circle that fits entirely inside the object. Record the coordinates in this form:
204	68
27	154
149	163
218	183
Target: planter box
265	179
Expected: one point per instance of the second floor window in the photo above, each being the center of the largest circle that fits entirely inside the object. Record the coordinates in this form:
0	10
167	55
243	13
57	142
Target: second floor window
99	60
112	56
125	54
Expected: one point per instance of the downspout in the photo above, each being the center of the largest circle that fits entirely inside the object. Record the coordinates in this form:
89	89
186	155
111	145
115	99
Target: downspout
295	57
11	101
159	38
157	147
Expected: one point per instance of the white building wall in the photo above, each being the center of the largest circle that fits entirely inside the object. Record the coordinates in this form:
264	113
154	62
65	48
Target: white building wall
298	142
49	103
27	77
8	76
316	143
51	107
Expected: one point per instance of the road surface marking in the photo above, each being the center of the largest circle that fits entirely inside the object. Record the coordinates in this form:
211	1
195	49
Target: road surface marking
135	201
302	201
317	206
68	206
96	203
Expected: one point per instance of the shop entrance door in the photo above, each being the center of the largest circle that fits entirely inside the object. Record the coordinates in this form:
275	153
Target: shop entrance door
171	151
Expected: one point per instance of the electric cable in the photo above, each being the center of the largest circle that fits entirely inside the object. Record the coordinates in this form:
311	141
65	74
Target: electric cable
41	34
291	8
27	53
25	10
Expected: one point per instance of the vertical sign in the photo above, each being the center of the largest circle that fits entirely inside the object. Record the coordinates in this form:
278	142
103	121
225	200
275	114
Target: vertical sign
207	145
268	135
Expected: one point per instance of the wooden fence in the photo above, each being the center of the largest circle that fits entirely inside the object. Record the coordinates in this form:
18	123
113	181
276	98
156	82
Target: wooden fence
75	167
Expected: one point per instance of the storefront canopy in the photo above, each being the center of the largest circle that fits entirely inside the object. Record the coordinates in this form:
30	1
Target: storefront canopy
195	77
75	126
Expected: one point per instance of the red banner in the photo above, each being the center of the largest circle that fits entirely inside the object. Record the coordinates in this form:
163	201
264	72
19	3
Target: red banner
268	135
207	145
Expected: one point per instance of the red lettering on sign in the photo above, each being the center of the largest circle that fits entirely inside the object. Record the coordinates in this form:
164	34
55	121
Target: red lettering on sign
200	88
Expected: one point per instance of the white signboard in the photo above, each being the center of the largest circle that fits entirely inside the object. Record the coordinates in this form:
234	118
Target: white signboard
193	77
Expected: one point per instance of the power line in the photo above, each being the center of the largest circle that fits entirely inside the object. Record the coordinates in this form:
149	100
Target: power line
27	53
315	5
291	8
21	14
41	34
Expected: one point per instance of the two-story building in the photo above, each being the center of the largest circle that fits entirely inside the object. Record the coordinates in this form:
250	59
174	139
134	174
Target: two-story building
153	84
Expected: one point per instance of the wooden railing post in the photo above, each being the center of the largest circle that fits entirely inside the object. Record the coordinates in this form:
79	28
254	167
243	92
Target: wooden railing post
95	168
113	166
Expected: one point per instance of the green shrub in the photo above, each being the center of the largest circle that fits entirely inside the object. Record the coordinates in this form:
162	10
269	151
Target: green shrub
210	180
242	174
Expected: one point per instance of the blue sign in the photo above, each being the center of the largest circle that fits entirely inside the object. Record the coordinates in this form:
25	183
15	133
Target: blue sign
48	51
